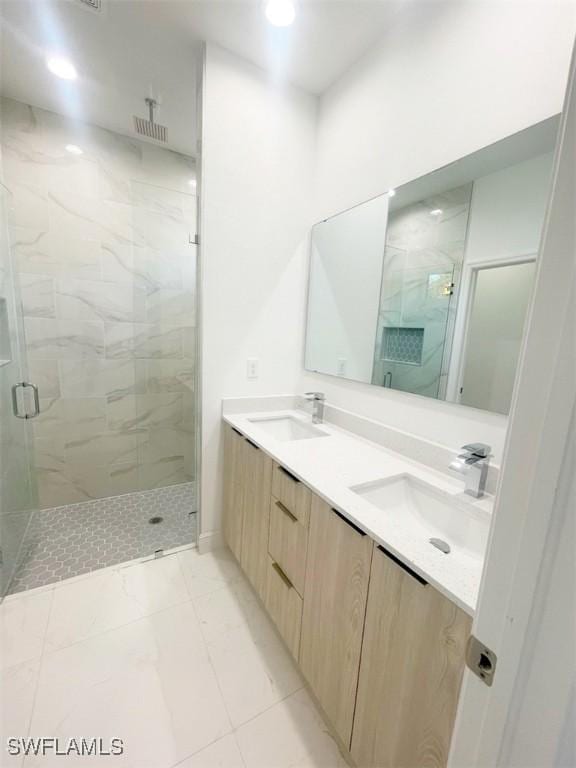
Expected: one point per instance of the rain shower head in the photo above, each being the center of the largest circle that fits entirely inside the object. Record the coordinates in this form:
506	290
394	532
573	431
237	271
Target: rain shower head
149	128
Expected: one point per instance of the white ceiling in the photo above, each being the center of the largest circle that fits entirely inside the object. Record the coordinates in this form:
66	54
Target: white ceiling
135	48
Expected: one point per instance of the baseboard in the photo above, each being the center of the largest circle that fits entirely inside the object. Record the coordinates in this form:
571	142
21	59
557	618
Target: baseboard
210	541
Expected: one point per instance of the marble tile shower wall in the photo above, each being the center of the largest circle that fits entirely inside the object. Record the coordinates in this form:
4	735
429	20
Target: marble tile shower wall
101	242
424	253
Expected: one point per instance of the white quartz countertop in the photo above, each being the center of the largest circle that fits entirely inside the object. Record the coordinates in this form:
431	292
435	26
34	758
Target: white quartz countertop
331	465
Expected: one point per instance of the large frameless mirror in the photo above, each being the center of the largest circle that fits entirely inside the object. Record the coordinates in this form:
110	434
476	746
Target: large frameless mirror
426	288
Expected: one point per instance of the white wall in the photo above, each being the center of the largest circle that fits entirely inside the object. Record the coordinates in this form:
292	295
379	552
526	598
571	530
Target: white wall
448	79
257	164
507	212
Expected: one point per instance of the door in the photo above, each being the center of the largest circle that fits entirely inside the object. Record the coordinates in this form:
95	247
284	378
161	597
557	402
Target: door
256	491
18	498
500	300
526	717
335	593
233	472
411	670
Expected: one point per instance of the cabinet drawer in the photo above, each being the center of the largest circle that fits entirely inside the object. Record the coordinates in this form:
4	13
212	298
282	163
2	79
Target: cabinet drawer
284	605
288	543
295	496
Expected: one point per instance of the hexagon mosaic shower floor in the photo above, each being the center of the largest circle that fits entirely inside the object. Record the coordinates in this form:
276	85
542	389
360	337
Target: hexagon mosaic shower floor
78	538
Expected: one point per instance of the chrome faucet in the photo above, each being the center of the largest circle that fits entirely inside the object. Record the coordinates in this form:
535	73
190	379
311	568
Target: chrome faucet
473	463
317	399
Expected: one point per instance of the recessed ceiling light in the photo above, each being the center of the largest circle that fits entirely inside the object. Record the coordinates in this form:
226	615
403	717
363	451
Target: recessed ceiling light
391	192
281	13
73	149
61	67
436	212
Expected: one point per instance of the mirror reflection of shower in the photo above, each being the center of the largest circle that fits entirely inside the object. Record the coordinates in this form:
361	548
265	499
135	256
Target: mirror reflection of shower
424	289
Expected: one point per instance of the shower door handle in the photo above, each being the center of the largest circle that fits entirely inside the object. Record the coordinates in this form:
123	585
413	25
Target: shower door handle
388	381
15	409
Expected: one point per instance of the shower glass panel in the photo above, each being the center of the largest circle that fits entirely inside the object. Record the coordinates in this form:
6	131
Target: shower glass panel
104	229
18	498
422	265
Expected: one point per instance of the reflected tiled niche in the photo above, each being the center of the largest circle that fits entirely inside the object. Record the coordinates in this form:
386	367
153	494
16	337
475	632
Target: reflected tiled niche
403	345
102	242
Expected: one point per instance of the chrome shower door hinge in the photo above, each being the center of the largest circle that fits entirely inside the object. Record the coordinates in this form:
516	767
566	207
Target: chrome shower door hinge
481	660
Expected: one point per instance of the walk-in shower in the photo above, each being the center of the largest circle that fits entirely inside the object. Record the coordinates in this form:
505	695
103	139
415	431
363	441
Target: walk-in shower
98	312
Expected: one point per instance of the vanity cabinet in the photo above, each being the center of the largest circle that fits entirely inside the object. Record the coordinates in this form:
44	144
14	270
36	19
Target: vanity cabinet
381	649
410	672
335	594
233	512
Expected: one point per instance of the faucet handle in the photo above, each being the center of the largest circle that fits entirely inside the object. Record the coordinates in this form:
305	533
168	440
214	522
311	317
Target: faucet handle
478	449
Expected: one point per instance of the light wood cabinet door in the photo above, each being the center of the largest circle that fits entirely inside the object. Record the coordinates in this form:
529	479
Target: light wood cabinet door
288	543
284	605
335	593
411	670
256	486
233	471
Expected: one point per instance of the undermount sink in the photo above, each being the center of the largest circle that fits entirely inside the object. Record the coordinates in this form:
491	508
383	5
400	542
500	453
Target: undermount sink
449	524
286	428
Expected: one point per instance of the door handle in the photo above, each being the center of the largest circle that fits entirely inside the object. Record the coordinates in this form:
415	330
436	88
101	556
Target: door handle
288	474
282	575
402	565
349	522
15	408
286	511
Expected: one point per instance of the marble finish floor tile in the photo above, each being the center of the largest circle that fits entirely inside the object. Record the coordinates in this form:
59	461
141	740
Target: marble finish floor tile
67	541
149	683
23	625
253	670
17	690
290	734
223	753
209	573
111	598
160	656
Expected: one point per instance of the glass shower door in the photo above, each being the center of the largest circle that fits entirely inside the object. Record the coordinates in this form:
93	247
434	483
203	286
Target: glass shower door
414	334
18	497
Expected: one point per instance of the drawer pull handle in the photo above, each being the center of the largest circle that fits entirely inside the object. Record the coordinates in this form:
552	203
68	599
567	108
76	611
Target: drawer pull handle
286	511
252	444
349	522
282	575
237	431
288	474
403	566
